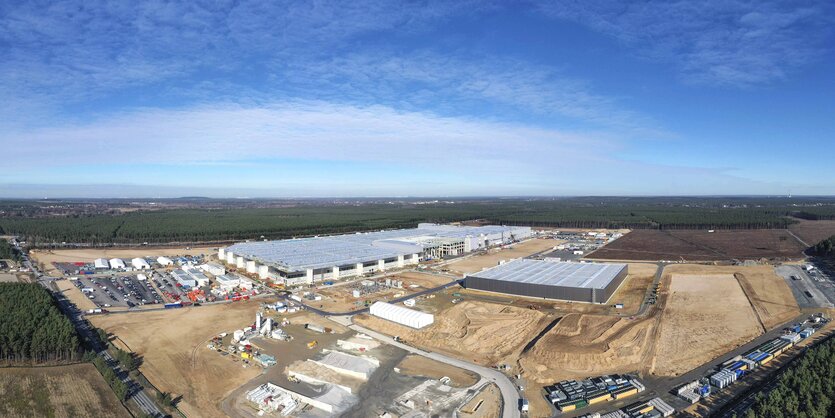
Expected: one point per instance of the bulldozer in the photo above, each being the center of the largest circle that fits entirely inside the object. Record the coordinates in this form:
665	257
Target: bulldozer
312	344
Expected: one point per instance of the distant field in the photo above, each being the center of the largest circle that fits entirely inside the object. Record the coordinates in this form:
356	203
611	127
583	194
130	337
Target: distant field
63	391
813	232
701	245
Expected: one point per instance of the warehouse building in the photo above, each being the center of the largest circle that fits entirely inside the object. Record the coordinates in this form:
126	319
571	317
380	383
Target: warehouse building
101	263
306	260
581	282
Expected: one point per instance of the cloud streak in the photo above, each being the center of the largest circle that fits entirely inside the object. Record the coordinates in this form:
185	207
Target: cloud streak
734	43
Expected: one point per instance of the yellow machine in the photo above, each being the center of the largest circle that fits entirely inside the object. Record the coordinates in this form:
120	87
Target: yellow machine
312	344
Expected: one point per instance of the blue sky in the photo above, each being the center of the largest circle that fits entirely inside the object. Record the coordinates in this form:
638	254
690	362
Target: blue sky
377	98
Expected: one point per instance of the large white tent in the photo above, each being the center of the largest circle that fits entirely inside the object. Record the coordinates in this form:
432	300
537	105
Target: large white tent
102	263
401	315
117	263
140	264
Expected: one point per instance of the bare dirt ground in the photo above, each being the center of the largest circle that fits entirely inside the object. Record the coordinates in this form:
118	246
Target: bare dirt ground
75	295
488	402
47	257
8	278
701	245
483	332
479	262
706	315
768	293
340	298
63	391
584	345
172	344
813	232
632	291
415	365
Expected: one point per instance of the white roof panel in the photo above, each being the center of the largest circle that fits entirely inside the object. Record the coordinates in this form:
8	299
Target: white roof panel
582	275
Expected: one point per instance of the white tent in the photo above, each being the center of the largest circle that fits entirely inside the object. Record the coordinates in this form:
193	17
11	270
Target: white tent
140	264
102	263
164	261
401	315
117	263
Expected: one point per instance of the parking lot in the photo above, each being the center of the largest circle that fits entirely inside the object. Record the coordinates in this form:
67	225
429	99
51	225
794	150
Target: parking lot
123	290
811	289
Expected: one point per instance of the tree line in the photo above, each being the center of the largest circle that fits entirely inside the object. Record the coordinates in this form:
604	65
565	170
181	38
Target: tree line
8	251
805	390
203	225
32	328
825	248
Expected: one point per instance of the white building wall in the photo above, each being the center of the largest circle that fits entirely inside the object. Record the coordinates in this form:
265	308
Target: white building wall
240	262
251	267
230	257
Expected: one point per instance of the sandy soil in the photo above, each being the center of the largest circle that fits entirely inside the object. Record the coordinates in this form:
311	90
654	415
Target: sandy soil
584	345
47	257
490	404
75	295
632	291
172	344
340	298
768	293
8	278
483	332
706	315
492	257
317	371
62	391
415	365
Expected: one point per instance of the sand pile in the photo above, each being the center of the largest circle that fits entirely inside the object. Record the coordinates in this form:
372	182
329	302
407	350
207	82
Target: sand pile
585	345
482	331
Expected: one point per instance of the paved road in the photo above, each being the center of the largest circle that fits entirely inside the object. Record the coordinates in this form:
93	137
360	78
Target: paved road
136	394
509	394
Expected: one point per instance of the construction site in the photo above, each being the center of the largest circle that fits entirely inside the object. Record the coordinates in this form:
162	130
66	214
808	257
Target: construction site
297	355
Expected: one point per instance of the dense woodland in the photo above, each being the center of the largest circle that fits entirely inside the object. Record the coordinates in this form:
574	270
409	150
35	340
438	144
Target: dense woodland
805	390
229	223
7	251
32	328
825	248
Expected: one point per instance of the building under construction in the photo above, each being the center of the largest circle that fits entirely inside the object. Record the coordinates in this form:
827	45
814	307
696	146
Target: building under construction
581	282
306	260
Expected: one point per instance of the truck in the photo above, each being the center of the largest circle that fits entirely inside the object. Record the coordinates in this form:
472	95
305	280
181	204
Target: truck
173	305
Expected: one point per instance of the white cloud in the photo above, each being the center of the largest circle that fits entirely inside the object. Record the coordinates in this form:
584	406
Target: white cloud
736	43
454	80
300	130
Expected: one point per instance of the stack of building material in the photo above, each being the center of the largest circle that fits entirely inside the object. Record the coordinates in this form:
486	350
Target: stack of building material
792	337
723	378
807	332
662	407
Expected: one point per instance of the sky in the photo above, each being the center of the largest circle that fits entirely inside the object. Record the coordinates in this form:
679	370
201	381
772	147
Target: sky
428	98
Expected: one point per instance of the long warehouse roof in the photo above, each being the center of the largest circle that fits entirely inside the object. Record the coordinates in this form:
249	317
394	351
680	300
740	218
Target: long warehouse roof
582	275
337	250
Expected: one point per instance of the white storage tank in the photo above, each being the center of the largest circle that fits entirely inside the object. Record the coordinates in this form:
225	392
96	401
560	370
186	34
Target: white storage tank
401	315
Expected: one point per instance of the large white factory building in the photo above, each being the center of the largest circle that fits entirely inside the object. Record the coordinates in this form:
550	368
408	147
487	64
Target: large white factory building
306	260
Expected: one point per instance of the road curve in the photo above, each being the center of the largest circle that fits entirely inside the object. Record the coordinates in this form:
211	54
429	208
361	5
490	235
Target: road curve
509	394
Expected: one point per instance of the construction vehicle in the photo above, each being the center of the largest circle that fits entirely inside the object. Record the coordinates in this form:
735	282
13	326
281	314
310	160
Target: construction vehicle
312	344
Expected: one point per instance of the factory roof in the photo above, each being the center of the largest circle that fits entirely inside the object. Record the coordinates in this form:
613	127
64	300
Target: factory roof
583	275
338	250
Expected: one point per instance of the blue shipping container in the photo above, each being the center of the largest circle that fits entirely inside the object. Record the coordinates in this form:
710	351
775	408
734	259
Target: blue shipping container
173	305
